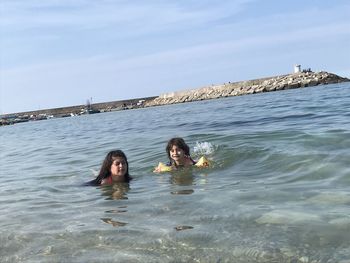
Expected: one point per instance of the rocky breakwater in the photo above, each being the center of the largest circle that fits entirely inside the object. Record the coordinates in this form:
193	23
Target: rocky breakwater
283	82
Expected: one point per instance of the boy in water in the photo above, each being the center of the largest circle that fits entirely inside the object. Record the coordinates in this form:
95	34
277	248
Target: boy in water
179	155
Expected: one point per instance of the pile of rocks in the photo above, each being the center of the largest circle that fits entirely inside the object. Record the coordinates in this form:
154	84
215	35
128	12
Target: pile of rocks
290	81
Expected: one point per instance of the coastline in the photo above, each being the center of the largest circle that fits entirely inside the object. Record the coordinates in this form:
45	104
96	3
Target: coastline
268	84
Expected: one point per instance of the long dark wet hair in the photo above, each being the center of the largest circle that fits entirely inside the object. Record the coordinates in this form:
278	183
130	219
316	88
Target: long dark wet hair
105	170
179	142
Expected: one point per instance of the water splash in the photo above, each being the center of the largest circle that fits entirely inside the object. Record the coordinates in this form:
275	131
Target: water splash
203	148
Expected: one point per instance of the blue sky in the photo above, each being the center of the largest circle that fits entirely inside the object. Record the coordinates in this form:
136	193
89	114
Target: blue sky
57	53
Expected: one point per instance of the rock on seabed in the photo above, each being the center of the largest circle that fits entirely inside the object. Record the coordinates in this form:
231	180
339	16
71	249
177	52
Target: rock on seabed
283	82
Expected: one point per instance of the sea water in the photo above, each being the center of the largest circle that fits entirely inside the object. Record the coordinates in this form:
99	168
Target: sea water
278	189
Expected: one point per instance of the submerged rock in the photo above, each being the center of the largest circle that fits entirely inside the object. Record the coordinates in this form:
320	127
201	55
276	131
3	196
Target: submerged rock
341	223
331	198
287	217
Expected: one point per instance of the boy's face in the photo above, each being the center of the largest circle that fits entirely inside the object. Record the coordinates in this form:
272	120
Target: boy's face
177	154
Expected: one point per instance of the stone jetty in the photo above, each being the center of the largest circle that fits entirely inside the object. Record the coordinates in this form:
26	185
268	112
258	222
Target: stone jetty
283	82
306	78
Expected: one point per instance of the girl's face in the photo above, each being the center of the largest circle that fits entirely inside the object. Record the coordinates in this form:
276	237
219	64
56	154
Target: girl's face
177	154
118	167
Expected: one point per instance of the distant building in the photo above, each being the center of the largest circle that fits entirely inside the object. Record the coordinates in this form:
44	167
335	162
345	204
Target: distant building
297	68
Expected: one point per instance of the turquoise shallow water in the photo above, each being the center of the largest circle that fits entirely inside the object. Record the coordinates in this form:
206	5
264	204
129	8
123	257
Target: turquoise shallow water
279	189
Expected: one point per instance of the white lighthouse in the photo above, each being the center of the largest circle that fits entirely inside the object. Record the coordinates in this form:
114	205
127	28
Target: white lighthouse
297	68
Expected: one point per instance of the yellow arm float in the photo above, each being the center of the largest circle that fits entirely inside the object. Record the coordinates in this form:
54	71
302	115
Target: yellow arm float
202	162
163	168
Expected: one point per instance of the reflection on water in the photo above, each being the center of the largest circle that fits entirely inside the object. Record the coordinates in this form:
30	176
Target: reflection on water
182	182
116	191
180	228
182	179
183	192
113	222
117	211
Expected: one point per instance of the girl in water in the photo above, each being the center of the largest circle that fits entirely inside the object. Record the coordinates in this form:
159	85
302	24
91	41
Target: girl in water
179	155
114	169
